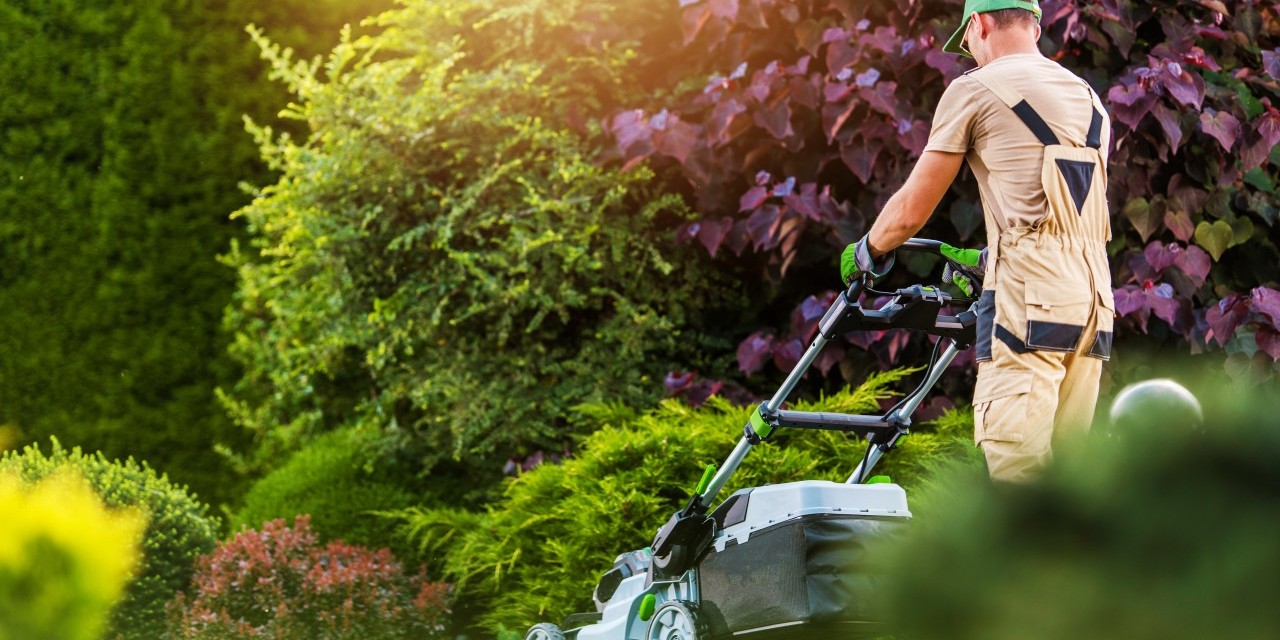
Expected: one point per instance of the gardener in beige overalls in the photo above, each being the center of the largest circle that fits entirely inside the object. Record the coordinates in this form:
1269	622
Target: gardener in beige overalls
1036	137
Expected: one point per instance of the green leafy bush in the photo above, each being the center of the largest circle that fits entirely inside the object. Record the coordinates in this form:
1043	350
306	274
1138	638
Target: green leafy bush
328	480
442	259
535	555
64	557
281	583
178	531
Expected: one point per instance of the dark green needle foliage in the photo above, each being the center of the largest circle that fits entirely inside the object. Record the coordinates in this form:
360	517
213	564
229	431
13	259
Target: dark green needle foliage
536	554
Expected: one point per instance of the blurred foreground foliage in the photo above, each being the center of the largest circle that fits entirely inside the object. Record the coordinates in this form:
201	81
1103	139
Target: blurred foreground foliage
1161	531
442	260
178	528
535	554
64	557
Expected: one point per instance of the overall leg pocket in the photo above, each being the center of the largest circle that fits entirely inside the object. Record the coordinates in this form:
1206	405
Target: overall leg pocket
1057	312
999	401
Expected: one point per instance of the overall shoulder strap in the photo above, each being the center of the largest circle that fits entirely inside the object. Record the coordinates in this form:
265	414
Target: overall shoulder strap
1023	109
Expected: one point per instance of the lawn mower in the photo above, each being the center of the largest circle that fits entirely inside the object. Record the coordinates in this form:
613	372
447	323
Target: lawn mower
786	560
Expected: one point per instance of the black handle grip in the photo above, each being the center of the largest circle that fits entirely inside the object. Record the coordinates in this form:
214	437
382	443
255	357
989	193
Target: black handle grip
855	289
921	244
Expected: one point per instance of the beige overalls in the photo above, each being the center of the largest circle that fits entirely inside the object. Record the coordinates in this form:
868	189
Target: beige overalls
1045	318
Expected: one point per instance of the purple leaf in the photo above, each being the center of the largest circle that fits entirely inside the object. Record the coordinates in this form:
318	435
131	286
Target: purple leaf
1185	87
762	226
633	133
1267	302
713	232
776	119
787	354
727	9
1268	340
836	34
677	381
885	39
868	78
1271	63
722	117
1130	104
1129	300
754	197
1223	126
831	356
804	318
753	351
1168	119
678	139
785	188
1195	262
861	157
1225	317
806	202
1160	256
840	55
834	117
882	98
739	72
1160	299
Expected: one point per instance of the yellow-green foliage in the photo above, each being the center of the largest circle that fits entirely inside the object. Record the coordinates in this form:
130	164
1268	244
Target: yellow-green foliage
64	557
536	554
178	531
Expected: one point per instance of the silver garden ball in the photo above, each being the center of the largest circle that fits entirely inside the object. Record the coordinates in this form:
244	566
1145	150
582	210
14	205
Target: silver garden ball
1160	403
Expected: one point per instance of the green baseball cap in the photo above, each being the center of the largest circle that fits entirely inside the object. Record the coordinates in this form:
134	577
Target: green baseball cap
984	6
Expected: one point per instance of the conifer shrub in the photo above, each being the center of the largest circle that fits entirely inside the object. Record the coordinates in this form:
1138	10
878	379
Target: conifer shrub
179	527
282	583
329	480
64	557
536	553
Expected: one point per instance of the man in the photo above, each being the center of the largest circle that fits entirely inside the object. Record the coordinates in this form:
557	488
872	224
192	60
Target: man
1036	137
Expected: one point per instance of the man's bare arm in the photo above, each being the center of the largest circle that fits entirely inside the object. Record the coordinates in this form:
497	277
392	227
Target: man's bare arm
914	203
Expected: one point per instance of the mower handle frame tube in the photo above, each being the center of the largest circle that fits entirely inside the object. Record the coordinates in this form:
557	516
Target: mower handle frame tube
834	313
902	416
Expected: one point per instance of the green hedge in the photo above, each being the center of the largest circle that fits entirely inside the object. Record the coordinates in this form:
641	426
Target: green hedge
329	481
179	528
535	554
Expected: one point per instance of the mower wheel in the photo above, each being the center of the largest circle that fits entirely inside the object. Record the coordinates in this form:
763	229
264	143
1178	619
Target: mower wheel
677	620
544	631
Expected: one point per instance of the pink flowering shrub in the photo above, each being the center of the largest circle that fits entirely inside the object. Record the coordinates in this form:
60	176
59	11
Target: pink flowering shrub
280	583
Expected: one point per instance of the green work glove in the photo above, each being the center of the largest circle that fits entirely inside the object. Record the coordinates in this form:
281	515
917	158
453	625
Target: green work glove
856	260
965	268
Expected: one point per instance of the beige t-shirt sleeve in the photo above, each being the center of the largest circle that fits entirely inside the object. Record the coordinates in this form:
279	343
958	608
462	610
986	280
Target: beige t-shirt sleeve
953	121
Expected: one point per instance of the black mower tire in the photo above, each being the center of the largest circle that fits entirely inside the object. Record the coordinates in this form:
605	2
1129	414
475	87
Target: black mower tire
544	631
677	620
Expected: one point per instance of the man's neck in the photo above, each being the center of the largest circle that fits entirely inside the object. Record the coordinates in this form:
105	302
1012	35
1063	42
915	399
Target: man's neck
1012	46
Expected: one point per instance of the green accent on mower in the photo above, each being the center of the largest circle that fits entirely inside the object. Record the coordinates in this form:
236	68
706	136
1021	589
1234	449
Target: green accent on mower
647	604
879	480
758	424
706	479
